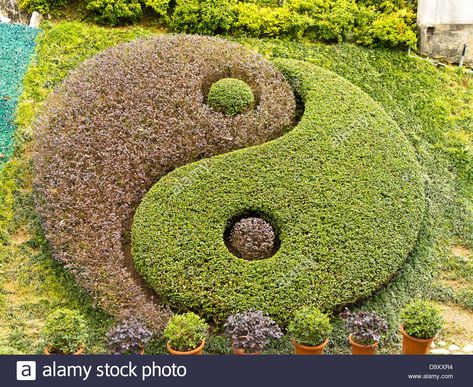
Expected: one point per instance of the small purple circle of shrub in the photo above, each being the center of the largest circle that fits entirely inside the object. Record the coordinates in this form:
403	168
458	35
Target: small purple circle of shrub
252	238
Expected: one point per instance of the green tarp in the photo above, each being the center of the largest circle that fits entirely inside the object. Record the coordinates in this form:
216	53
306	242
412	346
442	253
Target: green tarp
16	48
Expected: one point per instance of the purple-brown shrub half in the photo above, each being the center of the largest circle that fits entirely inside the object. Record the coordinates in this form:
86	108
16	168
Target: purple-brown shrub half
120	122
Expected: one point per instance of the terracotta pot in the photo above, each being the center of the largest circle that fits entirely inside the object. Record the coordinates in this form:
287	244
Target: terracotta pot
414	346
196	351
300	349
48	350
241	352
360	349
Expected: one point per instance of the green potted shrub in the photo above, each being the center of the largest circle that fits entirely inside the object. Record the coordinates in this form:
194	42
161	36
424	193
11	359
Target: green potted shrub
65	332
309	331
185	334
420	323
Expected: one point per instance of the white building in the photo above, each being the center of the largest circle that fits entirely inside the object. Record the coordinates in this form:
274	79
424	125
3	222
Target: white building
445	26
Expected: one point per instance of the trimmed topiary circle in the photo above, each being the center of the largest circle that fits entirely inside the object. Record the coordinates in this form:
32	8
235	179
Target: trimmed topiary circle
343	189
120	122
252	238
230	96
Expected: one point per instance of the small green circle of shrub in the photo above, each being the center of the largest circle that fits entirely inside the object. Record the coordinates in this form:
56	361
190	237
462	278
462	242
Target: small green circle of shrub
230	96
309	326
421	319
65	331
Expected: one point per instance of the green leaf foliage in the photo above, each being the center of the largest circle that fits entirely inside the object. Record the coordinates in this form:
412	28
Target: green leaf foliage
185	331
114	12
65	331
421	320
309	327
204	17
343	190
158	6
230	96
42	6
381	23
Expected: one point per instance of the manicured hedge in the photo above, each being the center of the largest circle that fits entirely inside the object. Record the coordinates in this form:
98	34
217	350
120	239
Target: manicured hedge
16	48
343	190
366	22
121	121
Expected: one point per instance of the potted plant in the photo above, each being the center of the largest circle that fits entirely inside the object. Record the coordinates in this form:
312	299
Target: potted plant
309	331
65	332
128	337
250	332
366	329
185	334
420	323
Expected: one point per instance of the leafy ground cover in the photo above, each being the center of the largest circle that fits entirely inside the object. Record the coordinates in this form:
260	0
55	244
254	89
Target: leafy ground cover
432	106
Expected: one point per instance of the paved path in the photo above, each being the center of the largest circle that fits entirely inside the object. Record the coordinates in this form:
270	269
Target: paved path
442	348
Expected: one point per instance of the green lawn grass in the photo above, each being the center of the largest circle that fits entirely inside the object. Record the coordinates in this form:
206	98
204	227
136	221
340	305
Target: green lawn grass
32	283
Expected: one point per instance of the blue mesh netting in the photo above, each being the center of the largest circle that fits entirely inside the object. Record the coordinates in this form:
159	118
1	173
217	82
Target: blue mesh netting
16	49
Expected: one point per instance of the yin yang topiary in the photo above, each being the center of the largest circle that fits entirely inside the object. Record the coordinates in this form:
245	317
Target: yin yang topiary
230	96
129	143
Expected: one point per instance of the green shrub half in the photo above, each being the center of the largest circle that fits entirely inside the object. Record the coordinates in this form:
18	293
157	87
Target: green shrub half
309	327
421	319
230	96
65	331
343	190
185	332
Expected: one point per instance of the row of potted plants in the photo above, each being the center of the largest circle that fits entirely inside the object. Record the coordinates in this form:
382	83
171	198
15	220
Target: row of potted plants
250	332
310	329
